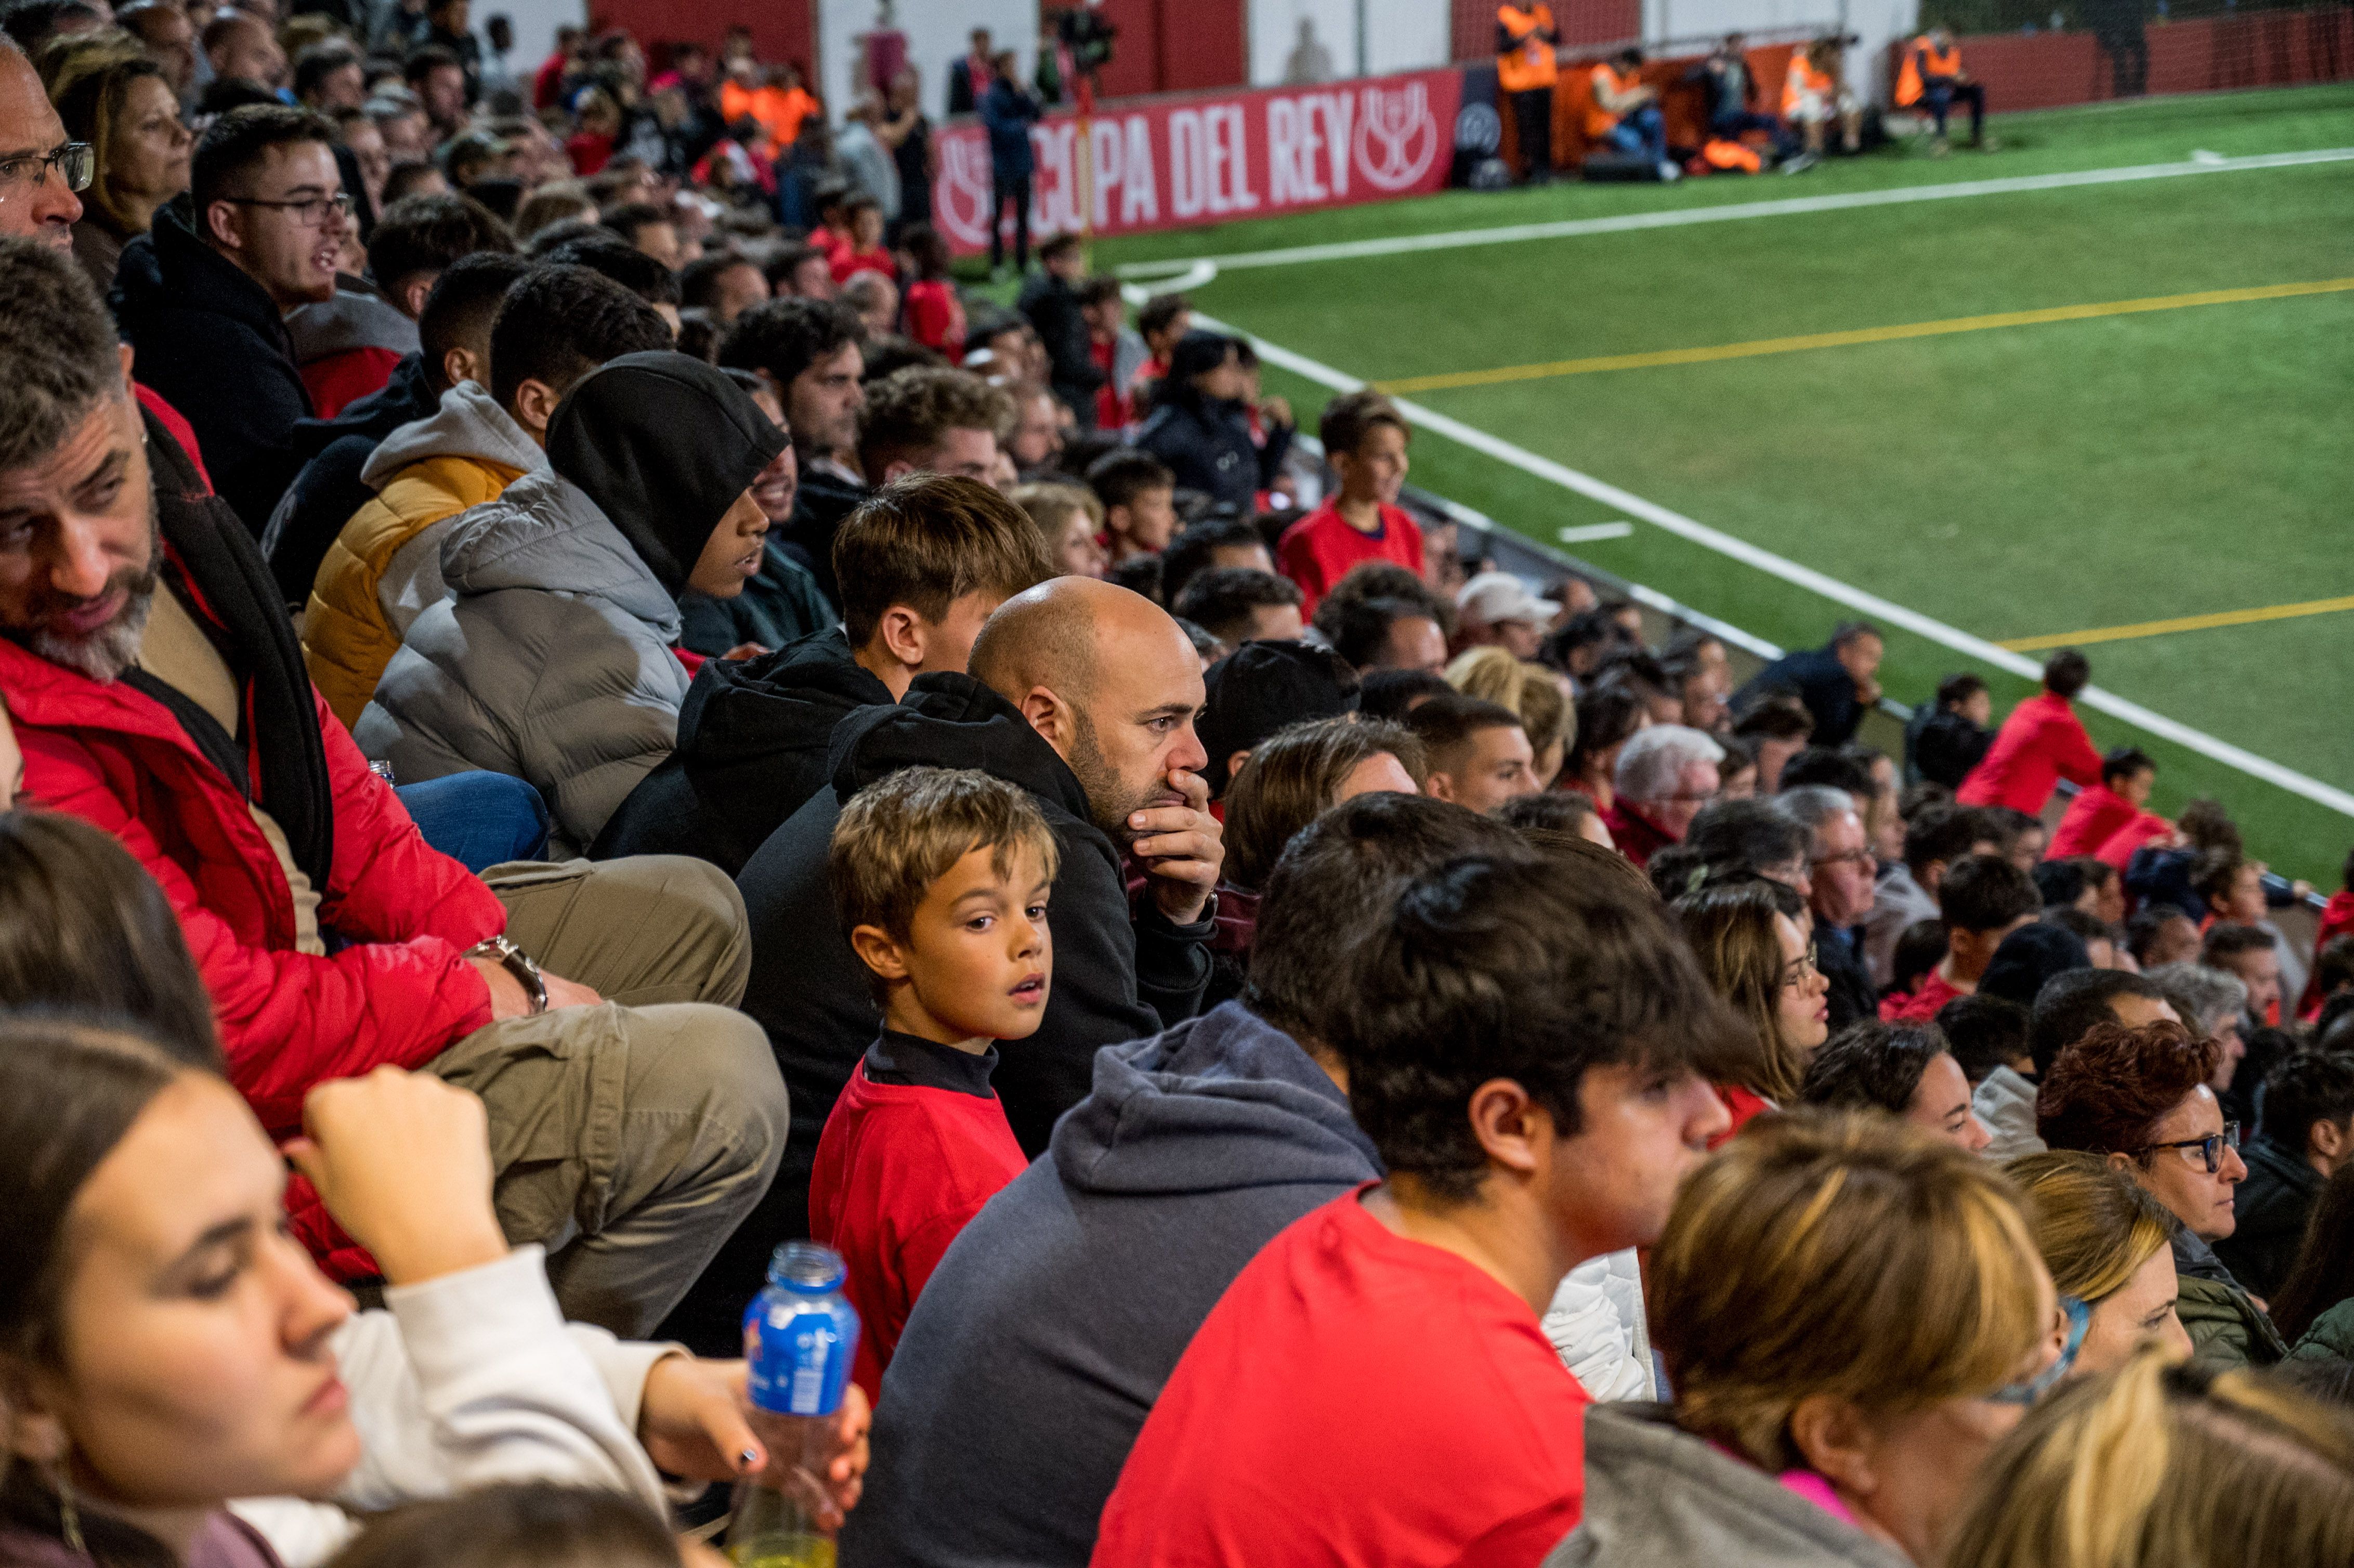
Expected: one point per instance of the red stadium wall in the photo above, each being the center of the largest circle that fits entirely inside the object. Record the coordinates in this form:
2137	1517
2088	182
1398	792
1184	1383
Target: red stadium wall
2255	48
1172	46
1581	24
782	29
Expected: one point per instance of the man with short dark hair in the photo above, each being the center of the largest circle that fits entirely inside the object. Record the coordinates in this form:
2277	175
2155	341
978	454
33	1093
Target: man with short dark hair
809	350
801	271
1478	751
2040	743
1262	689
1529	1052
1983	899
2308	1132
1041	1340
240	46
1210	545
724	285
2066	1006
1238	605
438	76
926	420
647	229
328	77
170	39
2252	953
605	252
203	296
1838	682
1383	633
1934	838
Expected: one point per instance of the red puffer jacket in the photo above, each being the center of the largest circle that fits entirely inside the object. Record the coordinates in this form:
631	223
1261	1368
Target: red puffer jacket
401	993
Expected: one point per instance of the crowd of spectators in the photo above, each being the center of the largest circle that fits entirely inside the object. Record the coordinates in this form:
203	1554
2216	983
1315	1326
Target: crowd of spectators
577	709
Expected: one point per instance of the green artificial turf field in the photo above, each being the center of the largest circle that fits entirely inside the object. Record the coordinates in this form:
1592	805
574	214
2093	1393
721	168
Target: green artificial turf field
2012	481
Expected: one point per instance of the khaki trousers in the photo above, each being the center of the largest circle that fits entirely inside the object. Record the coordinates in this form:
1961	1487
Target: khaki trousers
629	1138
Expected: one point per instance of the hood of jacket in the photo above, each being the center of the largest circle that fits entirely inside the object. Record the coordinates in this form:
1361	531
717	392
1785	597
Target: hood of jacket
790	700
358	317
546	533
469	424
951	721
1220	1102
170	269
1657	1497
2194	1260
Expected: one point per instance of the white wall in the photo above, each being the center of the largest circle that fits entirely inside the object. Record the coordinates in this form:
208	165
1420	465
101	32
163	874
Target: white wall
1878	21
1400	34
536	22
939	31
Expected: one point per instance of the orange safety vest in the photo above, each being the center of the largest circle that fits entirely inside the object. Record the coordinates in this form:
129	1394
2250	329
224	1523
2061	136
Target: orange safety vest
1601	122
1803	79
1527	65
1909	84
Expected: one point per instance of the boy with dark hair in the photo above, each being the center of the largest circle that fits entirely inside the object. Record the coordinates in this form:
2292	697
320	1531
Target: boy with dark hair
1376	634
418	237
941	878
1982	900
1053	305
602	252
1480	752
1529	1052
1779	728
2040	743
1935	838
2112	819
1364	439
1161	321
647	230
810	350
2308	1132
1945	739
1985	1033
1210	545
1238	605
1139	495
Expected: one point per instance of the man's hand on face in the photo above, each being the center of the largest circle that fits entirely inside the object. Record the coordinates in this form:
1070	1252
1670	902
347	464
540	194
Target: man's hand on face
1182	848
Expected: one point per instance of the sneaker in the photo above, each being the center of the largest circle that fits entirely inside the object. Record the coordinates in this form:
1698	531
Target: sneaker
1801	163
1669	173
1940	146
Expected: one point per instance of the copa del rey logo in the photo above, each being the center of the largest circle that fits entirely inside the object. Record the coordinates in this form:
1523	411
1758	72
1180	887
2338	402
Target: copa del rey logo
1255	153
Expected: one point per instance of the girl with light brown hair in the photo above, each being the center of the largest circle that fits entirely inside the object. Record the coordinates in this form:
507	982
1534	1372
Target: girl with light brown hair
1753	942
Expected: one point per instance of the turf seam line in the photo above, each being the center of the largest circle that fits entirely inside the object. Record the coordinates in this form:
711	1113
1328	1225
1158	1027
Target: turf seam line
1567	229
1792	572
2183	623
1653	359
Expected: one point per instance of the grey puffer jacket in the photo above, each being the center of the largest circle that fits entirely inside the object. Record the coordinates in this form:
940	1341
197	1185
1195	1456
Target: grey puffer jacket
551	662
1657	1496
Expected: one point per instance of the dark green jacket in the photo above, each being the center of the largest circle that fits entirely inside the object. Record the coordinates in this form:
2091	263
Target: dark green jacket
2331	1338
2227	1329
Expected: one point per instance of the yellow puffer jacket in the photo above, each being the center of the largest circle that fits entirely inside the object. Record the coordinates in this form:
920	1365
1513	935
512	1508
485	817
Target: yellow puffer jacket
424	473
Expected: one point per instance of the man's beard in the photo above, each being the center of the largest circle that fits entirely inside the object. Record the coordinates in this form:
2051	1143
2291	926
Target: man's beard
103	655
1112	800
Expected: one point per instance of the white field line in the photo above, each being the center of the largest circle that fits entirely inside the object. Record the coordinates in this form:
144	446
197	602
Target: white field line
1789	571
1353	250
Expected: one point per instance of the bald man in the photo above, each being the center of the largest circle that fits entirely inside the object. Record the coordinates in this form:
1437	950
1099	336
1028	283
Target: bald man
1085	695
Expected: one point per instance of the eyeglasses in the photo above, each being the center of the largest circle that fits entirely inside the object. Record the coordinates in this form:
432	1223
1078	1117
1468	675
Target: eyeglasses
1795	973
311	211
74	163
2210	1148
1845	857
2079	1318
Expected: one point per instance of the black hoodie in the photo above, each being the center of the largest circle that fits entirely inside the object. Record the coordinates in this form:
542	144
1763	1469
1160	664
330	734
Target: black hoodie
1116	977
752	739
1206	442
214	345
327	489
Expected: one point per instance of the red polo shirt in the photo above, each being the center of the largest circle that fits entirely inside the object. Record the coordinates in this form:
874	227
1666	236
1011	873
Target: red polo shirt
1318	551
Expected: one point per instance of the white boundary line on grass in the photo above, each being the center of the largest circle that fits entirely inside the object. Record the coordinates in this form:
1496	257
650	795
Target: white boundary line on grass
1353	250
1789	571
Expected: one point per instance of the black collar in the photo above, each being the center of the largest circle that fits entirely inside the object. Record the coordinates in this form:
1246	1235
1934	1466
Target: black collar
908	1063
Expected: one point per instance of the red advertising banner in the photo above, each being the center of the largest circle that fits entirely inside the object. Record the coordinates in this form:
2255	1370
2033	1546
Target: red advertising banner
1177	161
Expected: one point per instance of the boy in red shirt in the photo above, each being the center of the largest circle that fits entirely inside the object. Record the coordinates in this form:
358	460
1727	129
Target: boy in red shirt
1365	440
860	247
2040	743
1529	1054
941	877
1983	899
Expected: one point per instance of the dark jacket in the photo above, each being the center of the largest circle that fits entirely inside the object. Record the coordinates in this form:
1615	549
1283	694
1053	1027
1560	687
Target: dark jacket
212	343
781	605
2273	1204
1853	998
1041	1343
2159	875
1116	977
1821	683
819	508
1942	747
1052	307
328	491
2227	1329
752	741
1206	442
1009	112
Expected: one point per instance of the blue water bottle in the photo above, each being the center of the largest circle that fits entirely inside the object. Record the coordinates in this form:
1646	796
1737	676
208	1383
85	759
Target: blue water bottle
799	1336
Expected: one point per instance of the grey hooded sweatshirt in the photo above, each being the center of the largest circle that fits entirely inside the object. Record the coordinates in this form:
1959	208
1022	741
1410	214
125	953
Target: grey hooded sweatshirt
1657	1497
469	424
1041	1343
551	662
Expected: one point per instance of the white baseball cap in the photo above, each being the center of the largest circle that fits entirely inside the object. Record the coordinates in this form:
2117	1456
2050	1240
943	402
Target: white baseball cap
1493	597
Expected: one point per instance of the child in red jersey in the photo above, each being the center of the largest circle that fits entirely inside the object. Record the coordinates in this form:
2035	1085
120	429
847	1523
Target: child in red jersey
941	878
1365	440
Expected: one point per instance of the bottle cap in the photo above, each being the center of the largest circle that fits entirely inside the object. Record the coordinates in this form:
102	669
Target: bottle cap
805	1269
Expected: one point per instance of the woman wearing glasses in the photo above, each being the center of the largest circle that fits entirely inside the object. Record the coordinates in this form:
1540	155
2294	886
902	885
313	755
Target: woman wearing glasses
1852	1315
116	99
2139	1098
1751	937
2106	1240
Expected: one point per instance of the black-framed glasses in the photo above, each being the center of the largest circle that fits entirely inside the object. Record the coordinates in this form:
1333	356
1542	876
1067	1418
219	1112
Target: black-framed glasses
312	210
74	163
2210	1148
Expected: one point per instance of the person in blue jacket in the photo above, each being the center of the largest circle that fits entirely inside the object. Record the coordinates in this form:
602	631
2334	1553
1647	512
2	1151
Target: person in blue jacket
1009	112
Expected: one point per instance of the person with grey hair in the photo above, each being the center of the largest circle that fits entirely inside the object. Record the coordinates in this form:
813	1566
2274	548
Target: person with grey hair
875	298
1841	888
2212	1003
1664	776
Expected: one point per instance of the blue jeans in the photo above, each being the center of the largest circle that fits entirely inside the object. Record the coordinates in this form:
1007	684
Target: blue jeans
1642	131
479	818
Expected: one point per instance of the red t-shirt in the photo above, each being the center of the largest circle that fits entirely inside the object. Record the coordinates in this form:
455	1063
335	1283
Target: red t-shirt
1356	1397
1746	1106
1114	406
2040	743
1921	1006
902	1165
1317	550
936	316
847	263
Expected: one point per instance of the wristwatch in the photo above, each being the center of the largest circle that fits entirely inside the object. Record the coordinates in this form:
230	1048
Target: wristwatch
518	963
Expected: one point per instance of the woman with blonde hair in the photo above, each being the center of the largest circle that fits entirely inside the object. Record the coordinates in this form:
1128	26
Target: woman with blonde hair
1069	516
1529	690
1755	947
113	96
1851	1316
2106	1244
2161	1466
